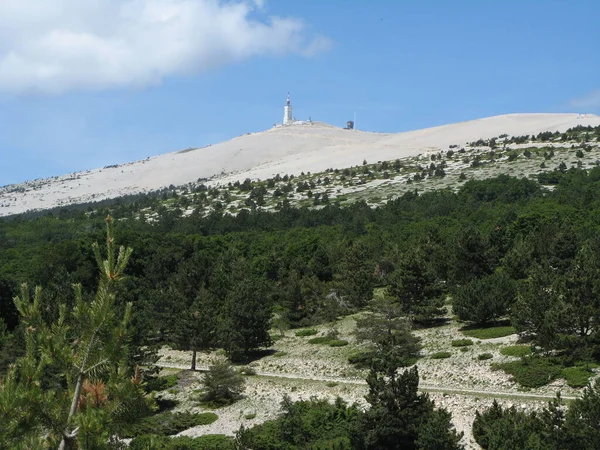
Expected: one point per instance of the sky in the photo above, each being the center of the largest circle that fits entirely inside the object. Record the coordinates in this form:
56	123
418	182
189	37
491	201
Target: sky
89	83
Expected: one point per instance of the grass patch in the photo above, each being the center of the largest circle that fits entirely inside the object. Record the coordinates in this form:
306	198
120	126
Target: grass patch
280	354
441	355
532	372
462	342
577	376
484	356
331	384
307	332
337	343
489	332
516	350
167	423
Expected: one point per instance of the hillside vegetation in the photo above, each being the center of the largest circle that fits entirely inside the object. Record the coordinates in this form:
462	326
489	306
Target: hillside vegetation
506	255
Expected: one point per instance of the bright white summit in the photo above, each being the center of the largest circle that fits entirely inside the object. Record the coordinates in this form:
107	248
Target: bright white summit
291	149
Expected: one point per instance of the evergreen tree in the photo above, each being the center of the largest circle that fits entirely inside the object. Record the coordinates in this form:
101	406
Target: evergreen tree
400	417
538	308
195	325
354	280
416	286
43	398
222	384
582	422
245	319
484	299
388	332
471	256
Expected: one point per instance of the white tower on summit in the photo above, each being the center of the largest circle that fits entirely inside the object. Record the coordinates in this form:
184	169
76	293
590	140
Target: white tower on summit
287	112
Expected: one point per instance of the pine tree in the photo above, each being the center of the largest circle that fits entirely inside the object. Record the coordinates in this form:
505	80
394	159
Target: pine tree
195	325
44	399
400	417
388	333
416	286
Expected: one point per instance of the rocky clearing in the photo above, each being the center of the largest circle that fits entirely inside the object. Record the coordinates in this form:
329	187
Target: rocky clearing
462	383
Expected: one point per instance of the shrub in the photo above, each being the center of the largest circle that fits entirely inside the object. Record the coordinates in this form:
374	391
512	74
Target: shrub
222	384
516	350
441	355
484	356
489	332
206	442
319	340
161	383
337	343
167	423
577	376
307	332
331	384
532	372
462	342
363	359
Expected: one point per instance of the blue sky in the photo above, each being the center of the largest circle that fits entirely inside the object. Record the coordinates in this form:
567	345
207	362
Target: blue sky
73	101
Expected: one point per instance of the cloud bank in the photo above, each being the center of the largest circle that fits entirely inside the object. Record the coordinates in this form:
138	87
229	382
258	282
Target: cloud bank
55	46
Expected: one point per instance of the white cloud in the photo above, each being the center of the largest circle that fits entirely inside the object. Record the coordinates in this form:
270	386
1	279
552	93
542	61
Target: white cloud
54	46
590	100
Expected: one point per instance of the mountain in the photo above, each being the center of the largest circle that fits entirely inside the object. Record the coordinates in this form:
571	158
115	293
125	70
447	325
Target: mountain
306	147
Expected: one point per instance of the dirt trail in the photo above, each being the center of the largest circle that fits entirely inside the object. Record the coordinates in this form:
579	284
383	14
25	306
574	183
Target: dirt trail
425	387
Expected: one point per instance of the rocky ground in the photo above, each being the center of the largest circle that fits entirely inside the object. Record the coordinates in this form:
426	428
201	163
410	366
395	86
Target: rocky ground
462	383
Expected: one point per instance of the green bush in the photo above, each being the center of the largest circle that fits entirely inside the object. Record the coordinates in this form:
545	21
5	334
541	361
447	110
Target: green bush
337	343
161	383
222	385
307	332
363	360
313	424
516	350
167	423
484	356
532	372
489	332
577	376
462	342
441	355
206	442
319	340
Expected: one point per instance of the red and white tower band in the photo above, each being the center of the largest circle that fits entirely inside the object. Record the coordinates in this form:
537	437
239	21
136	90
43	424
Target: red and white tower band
287	112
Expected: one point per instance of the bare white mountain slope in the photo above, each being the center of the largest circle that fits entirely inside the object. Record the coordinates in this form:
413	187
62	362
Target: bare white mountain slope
284	150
